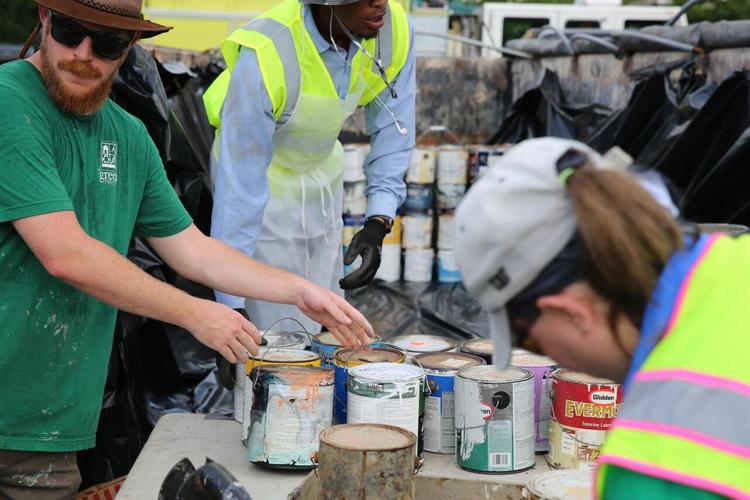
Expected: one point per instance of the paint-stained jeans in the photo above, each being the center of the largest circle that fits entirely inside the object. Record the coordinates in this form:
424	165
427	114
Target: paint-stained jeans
38	475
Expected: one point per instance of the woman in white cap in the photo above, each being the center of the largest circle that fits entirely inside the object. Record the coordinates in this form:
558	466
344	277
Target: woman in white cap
577	260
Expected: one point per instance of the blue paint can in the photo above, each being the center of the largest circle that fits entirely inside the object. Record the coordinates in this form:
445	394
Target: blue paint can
419	198
448	271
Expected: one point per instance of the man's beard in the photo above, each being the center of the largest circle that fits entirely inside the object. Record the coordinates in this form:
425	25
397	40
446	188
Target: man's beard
81	103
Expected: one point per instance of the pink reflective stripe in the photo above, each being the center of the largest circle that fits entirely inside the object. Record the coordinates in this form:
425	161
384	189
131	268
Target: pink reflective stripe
675	477
686	283
698	378
687	434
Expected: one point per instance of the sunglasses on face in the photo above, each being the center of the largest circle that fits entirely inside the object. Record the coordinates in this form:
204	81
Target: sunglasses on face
107	44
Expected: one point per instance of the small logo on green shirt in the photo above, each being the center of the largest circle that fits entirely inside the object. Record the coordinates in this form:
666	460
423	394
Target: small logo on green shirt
108	163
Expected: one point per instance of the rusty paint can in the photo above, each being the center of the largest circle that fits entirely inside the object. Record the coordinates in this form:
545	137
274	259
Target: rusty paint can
291	406
542	367
560	484
478	347
441	368
388	393
367	461
348	358
583	409
494	419
416	344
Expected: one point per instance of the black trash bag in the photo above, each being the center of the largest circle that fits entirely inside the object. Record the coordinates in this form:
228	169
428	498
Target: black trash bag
543	111
709	160
209	482
656	112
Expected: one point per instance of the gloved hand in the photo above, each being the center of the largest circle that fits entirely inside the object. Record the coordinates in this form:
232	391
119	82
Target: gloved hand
368	244
226	370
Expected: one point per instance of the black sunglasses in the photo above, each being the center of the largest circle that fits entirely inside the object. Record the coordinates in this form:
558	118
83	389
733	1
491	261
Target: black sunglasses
107	44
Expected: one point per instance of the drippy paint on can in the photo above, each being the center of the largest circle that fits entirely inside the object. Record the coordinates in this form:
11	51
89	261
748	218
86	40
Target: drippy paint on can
583	409
388	393
439	412
542	368
349	358
494	419
291	406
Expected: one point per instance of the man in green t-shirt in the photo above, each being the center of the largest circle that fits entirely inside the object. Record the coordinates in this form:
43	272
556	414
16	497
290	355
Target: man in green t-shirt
79	177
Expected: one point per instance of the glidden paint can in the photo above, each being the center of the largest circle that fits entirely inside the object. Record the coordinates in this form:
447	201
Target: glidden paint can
583	408
542	368
388	393
349	358
439	428
416	344
270	356
494	419
452	163
291	406
478	347
421	168
560	484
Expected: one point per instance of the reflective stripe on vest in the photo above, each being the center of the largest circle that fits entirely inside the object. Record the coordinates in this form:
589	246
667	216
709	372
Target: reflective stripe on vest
277	32
685	417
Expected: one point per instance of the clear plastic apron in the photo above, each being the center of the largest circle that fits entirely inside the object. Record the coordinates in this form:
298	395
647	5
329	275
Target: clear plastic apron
302	224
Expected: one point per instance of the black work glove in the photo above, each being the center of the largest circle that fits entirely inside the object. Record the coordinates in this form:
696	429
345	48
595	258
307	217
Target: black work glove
366	243
226	370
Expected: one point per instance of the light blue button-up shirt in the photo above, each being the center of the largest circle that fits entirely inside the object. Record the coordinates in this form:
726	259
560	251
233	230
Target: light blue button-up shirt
246	144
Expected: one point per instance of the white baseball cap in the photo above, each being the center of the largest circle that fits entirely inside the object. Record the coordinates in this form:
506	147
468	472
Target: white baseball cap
514	222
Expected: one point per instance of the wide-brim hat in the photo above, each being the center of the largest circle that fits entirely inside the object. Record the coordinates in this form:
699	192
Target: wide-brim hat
120	14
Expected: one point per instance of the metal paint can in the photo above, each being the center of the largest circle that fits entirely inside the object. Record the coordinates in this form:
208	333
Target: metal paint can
448	271
421	168
420	199
439	412
291	406
449	195
560	484
416	344
325	345
394	237
494	419
418	265
478	347
354	160
542	368
275	339
390	263
417	232
388	393
452	163
349	358
583	409
269	356
355	202
446	239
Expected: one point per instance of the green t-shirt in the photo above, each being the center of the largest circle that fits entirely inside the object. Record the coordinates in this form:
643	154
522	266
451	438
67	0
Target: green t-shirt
624	484
55	341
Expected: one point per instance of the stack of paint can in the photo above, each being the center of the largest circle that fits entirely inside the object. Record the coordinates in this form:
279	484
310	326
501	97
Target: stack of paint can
482	157
390	256
355	203
418	216
452	163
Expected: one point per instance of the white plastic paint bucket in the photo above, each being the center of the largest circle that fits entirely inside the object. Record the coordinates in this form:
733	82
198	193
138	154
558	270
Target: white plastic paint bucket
421	168
416	232
418	265
446	239
390	263
448	271
452	163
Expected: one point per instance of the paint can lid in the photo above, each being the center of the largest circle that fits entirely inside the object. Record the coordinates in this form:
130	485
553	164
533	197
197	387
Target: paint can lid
447	361
561	485
490	373
327	338
580	377
423	343
284	340
386	372
530	359
368	437
351	357
478	346
285	355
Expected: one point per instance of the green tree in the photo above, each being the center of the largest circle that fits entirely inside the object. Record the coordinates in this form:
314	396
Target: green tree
717	10
18	19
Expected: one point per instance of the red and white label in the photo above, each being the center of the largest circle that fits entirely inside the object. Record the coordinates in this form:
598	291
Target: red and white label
487	411
585	406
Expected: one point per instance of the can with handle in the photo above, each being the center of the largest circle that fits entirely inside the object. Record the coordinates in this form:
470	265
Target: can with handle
494	419
439	412
583	409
